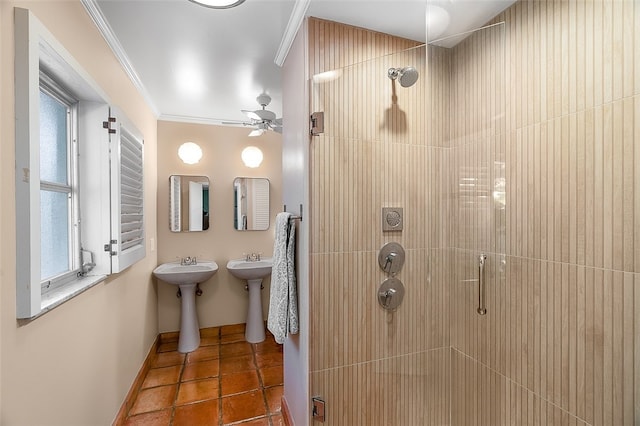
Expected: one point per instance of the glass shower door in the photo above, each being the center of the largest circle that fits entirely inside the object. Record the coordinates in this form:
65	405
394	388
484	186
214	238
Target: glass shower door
380	148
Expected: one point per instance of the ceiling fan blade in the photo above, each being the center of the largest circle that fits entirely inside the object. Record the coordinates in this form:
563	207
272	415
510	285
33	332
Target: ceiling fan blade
278	121
256	132
251	114
277	129
237	123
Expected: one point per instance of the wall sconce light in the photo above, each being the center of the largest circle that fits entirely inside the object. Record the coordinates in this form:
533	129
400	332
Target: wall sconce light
190	153
252	156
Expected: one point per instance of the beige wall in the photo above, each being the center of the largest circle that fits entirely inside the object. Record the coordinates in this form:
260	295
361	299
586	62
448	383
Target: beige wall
75	364
224	300
560	341
374	367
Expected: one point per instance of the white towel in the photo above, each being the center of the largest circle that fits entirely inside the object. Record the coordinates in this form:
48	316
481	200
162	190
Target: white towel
283	302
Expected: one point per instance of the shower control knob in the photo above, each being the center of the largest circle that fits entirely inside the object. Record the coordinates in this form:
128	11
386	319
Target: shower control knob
391	293
391	258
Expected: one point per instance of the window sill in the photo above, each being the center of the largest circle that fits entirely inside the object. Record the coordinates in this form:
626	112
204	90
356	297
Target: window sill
60	295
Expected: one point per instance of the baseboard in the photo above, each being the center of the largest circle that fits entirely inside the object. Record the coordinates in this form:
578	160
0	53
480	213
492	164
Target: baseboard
137	383
286	415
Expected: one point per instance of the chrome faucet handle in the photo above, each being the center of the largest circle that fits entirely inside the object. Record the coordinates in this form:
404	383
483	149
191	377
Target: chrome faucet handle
389	261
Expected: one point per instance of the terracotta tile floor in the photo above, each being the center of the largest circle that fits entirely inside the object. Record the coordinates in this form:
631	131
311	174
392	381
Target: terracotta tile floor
226	381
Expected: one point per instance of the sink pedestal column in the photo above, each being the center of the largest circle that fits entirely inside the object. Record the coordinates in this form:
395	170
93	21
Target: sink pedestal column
255	324
189	338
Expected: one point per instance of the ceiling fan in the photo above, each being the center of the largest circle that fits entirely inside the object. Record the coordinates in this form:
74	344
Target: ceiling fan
261	119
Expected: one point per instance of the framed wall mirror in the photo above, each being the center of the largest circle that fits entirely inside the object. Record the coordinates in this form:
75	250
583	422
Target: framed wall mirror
188	203
251	204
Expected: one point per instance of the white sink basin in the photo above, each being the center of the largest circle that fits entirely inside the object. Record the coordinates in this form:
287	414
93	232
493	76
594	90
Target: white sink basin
250	270
175	273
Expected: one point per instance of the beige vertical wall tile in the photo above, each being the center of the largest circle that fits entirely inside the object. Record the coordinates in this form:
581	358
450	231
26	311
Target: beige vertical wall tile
411	389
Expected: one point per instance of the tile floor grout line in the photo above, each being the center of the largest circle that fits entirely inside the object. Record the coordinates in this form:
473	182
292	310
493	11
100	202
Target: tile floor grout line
254	348
175	398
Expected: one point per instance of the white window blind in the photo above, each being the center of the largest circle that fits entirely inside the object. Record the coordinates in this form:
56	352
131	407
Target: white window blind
127	193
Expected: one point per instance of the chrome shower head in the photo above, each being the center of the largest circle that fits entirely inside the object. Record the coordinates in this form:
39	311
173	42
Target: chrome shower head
407	76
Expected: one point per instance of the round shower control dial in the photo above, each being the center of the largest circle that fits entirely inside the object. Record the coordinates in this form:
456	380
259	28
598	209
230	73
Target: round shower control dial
391	293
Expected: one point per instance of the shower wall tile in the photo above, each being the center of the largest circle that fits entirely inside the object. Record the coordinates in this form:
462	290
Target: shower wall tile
567	56
333	45
561	330
477	188
566	333
354	179
483	397
477	87
391	113
411	389
437	98
573	185
356	328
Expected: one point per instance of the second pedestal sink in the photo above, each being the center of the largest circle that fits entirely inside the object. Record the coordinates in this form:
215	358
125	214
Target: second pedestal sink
253	271
187	277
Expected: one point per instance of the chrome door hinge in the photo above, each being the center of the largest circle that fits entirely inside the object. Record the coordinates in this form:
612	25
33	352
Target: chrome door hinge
318	412
110	247
317	123
107	124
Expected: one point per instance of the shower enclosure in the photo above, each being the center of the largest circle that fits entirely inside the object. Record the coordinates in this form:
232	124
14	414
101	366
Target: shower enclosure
515	159
390	141
372	366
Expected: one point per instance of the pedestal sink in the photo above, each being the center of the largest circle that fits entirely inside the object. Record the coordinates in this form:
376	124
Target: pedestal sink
187	277
253	271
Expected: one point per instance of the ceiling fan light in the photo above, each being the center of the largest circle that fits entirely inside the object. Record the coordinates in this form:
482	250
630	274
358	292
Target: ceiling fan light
256	132
218	4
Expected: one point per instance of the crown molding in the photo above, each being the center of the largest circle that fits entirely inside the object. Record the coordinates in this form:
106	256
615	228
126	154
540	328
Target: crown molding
105	29
295	20
200	120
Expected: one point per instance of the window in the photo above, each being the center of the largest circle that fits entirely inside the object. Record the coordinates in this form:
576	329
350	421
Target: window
79	176
59	221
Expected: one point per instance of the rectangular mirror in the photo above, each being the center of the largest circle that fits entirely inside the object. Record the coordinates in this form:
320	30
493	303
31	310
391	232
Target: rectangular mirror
251	204
188	203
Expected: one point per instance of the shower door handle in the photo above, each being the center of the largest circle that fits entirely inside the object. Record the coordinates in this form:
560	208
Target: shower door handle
481	285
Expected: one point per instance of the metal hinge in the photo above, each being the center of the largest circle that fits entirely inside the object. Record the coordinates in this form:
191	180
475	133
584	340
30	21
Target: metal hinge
107	124
317	123
318	412
109	247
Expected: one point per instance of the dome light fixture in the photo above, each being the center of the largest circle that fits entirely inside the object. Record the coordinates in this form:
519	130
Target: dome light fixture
252	156
190	153
218	4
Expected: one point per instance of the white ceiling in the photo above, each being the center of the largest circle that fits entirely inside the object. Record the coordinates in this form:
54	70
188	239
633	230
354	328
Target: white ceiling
205	65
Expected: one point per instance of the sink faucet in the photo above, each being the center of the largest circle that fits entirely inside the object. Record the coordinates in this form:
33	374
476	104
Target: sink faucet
188	261
253	257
